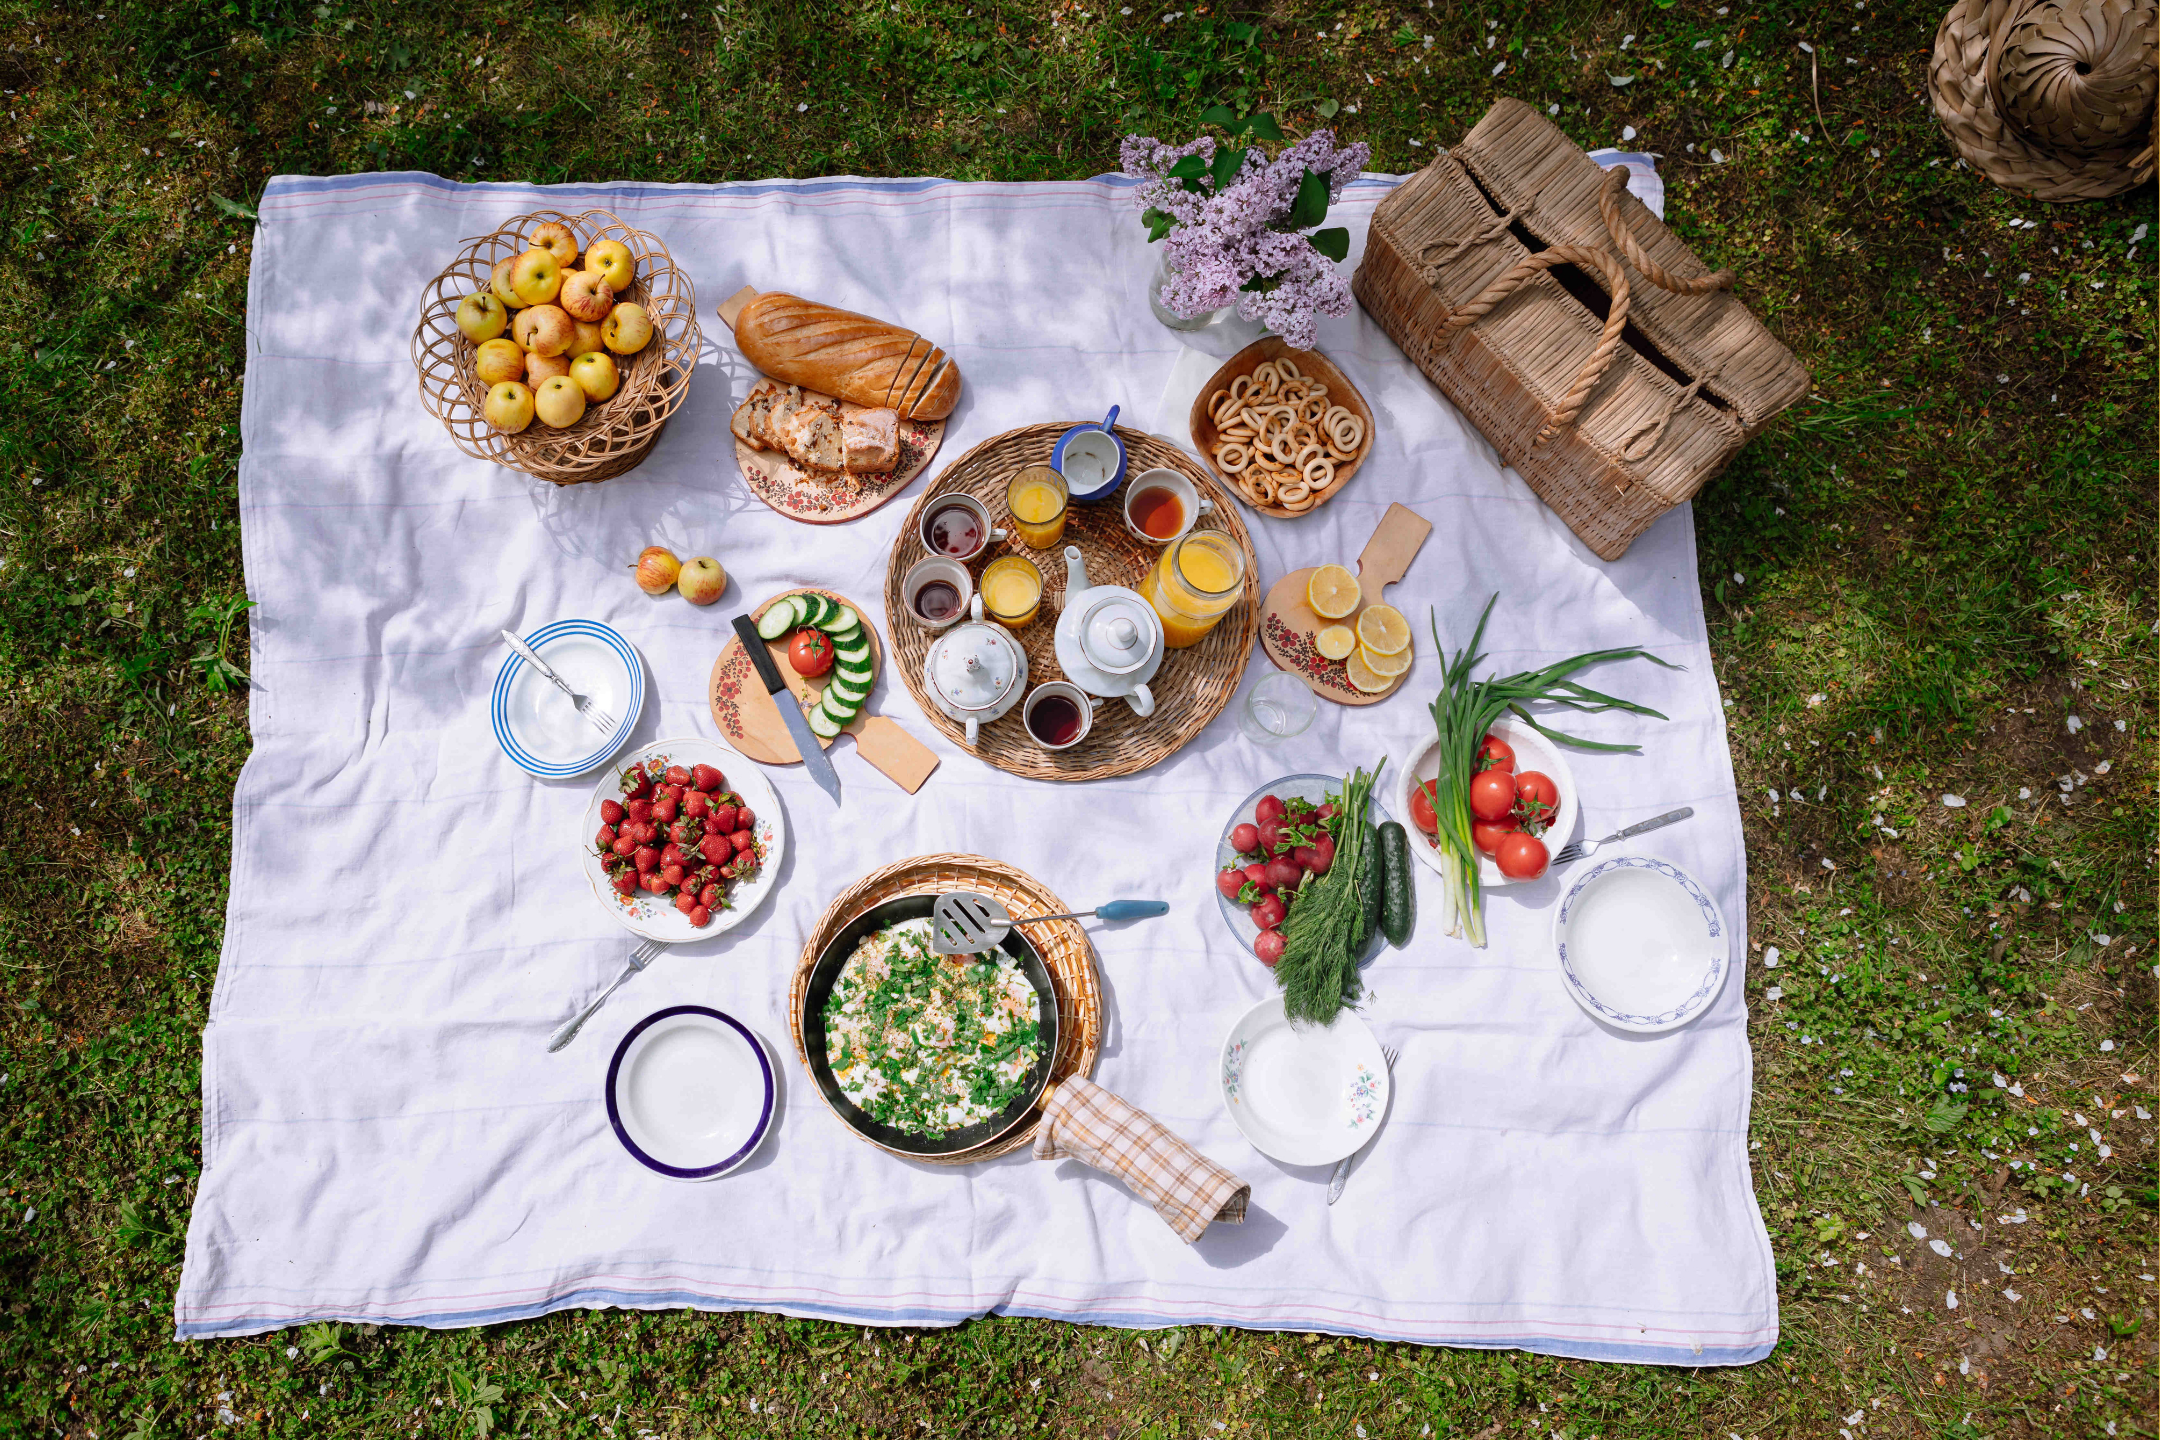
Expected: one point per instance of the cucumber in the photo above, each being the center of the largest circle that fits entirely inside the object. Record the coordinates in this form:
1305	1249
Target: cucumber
841	622
1370	889
1398	903
839	709
848	689
780	618
816	609
823	725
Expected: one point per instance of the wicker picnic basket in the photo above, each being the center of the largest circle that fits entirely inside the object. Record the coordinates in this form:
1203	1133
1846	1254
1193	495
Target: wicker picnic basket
1604	361
616	433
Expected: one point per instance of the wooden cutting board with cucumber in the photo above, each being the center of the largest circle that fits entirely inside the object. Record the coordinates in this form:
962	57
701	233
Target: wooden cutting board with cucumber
830	634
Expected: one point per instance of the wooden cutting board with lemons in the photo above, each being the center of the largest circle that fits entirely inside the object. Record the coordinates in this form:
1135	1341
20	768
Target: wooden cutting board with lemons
1329	626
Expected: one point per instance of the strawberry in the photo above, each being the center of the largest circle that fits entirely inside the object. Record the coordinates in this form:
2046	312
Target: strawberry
724	819
701	916
697	804
626	880
686	902
605	838
663	810
611	812
673	874
647	832
727	872
706	778
742	840
710	897
676	775
672	792
646	858
715	848
654	885
745	817
672	854
635	783
639	809
624	844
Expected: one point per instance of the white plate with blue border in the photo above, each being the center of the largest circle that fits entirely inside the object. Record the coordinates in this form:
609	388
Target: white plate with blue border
1304	1094
535	723
1642	945
691	1092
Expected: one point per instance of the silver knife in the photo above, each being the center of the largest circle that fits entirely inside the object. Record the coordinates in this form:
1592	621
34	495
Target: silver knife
814	758
601	720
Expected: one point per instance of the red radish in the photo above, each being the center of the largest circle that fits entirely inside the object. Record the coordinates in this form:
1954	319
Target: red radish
1269	808
1257	872
1487	834
1326	812
701	916
1268	913
1492	794
1522	857
706	778
1495	754
1422	813
1284	873
1268	945
677	775
1271	837
1229	882
611	812
1307	857
1323	860
1245	839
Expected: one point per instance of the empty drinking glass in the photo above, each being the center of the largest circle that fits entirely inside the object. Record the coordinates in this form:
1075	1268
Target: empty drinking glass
1277	709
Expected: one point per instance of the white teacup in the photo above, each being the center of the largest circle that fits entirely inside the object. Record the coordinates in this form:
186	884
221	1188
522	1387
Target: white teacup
1191	505
1082	702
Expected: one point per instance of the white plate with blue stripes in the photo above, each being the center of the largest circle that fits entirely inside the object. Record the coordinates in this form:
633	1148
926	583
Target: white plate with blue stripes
535	723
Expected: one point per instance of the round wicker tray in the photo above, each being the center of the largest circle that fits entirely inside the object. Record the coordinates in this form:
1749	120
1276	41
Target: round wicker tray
615	434
1063	945
1193	685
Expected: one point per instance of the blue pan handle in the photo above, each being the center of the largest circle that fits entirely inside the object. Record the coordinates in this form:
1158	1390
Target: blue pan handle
1108	421
1131	909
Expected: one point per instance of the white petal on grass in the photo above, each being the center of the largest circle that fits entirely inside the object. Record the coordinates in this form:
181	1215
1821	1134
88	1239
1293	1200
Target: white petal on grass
1915	1229
1940	1247
1953	802
1950	1299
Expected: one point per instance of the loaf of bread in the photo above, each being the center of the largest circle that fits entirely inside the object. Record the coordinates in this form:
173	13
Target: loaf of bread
862	360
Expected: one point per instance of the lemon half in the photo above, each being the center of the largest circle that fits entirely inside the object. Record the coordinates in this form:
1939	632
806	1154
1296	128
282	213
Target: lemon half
1385	665
1335	642
1332	592
1383	630
1362	676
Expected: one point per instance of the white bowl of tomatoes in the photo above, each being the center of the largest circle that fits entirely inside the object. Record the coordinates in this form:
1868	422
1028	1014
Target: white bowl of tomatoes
1537	818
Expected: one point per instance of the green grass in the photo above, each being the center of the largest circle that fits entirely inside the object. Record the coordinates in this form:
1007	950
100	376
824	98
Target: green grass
1947	551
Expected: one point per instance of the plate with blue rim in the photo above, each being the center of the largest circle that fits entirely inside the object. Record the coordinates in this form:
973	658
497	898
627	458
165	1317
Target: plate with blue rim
535	723
691	1092
1642	945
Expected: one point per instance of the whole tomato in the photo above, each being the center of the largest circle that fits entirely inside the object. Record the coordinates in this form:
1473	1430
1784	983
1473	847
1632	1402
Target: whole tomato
1492	794
1522	857
810	653
1495	754
1536	796
1487	834
1422	813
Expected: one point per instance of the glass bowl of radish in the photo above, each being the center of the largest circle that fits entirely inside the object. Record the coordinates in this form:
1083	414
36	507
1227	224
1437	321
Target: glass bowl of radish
1546	812
1280	825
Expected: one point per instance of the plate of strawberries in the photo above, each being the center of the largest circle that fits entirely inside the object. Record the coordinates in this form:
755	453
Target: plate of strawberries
684	841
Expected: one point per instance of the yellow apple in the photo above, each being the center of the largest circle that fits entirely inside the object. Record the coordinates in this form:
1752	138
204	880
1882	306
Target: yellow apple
499	285
543	329
542	368
509	407
557	240
588	340
560	402
627	329
586	295
481	316
701	581
596	374
498	360
535	276
656	569
612	259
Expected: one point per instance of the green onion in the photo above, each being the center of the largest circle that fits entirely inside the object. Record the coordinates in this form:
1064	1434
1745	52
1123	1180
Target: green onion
1463	713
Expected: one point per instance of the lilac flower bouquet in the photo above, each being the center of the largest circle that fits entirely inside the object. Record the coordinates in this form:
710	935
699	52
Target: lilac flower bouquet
1238	227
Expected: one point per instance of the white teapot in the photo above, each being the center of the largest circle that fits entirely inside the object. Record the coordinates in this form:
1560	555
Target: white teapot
976	672
1109	639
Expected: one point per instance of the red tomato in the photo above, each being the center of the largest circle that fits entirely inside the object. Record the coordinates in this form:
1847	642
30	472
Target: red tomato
1495	754
1421	807
1492	794
1522	857
1536	796
810	652
1486	834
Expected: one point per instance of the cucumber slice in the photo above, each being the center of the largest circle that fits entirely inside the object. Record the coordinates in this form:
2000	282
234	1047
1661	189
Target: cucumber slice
842	620
823	725
855	654
839	711
816	610
780	619
848	635
848	689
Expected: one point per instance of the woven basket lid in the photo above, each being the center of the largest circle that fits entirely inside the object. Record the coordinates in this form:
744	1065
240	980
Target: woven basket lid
2050	98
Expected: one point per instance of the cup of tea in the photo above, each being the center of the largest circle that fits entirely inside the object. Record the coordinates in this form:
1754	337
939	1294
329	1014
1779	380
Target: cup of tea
937	592
1059	714
958	528
1161	505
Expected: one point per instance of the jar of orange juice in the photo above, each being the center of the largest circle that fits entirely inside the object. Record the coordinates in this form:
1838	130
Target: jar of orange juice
1197	580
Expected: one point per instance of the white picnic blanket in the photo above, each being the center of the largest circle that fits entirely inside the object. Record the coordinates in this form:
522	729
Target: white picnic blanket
385	1137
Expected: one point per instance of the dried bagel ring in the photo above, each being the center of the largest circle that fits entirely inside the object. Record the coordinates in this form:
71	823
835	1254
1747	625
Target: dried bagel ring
1216	404
1346	430
1232	458
1306	456
1240	386
1287	368
1319	473
1264	488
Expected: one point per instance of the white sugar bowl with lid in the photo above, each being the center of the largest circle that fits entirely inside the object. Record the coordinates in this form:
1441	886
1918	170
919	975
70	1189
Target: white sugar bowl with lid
976	672
1109	640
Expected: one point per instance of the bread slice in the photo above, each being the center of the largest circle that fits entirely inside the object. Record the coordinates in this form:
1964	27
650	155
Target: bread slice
811	437
750	417
870	441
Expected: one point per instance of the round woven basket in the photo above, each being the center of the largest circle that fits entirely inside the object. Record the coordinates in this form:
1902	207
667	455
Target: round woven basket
1193	684
614	435
1063	945
2053	99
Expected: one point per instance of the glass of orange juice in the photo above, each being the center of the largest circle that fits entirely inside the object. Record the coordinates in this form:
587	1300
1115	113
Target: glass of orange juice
1198	578
1036	496
1011	590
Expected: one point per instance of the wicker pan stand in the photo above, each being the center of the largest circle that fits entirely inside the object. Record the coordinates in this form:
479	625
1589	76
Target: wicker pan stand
1064	947
616	433
1604	361
1194	683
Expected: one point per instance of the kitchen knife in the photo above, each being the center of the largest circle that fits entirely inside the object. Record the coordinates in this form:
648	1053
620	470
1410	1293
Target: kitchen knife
814	758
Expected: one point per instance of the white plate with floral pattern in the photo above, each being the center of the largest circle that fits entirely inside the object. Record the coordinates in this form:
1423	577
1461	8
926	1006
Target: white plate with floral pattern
1642	945
1303	1094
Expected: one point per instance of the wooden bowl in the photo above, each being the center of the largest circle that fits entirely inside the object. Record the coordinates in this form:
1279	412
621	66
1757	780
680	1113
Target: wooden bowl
614	435
1309	362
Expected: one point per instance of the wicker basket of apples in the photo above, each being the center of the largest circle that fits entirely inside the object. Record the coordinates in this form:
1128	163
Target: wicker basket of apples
559	345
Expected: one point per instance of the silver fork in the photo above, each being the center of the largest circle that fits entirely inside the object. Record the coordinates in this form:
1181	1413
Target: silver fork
581	703
1569	854
1341	1176
641	957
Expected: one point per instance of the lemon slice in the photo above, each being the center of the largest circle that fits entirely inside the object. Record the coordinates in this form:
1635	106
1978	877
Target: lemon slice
1362	676
1388	666
1383	631
1335	643
1332	592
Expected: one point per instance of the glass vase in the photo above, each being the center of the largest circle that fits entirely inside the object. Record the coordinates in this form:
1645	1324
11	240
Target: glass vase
1163	271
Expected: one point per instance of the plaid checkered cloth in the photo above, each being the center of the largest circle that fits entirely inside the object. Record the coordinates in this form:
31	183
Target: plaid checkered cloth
1082	1121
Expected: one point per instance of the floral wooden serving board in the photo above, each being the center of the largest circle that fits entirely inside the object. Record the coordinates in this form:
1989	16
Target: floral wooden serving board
1288	625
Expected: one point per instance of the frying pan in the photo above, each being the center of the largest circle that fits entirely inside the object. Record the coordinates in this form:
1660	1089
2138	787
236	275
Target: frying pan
834	957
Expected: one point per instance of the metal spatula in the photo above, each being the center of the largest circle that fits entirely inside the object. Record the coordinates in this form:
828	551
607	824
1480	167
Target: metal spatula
968	923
